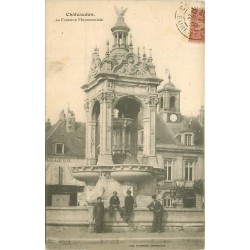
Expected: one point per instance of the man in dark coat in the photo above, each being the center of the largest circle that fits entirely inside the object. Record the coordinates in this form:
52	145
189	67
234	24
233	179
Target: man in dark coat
157	209
114	202
128	206
98	215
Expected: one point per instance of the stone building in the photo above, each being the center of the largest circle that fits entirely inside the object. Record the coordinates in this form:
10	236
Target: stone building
64	147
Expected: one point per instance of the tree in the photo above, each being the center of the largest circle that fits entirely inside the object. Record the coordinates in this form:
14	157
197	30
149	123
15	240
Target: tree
199	187
178	192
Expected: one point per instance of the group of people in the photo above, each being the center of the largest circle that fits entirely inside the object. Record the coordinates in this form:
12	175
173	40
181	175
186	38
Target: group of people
125	213
114	203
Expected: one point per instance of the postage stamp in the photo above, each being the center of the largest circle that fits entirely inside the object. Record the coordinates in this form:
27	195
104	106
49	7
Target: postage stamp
190	21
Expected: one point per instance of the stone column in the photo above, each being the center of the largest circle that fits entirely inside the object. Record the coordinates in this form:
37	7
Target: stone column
146	141
124	137
106	127
177	102
149	145
117	42
90	136
129	138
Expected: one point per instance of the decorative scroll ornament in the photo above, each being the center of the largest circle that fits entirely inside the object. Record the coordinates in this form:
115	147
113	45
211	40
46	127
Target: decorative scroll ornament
151	100
131	68
105	174
107	97
99	98
154	100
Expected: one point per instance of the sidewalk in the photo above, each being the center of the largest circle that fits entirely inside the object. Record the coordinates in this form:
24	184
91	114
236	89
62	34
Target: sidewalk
114	237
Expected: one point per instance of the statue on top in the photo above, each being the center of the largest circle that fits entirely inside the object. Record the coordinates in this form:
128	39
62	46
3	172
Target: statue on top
120	12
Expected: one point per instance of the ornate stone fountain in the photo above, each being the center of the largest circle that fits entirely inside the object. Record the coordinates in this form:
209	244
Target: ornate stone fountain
120	103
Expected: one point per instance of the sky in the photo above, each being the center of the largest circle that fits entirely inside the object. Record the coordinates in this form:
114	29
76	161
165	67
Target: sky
69	47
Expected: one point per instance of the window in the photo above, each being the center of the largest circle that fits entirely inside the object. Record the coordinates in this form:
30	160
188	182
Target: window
188	171
172	102
188	139
167	202
168	164
59	148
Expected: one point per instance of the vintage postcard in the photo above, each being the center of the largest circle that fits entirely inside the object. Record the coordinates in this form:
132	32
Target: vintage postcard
125	124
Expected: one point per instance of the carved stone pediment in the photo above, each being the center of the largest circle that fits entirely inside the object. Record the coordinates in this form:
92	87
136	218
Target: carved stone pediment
131	67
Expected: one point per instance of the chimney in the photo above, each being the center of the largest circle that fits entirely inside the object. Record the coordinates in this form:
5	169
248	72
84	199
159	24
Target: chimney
70	121
48	123
202	116
62	116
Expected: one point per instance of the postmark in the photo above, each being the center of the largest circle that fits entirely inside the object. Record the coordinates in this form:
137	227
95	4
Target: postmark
190	21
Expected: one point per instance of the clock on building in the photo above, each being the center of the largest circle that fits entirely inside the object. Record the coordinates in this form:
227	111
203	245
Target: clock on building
173	117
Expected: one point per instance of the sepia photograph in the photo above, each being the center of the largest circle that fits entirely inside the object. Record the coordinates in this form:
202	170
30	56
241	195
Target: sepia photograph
125	124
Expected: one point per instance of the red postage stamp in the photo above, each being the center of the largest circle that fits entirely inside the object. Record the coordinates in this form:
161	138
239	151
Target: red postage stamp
197	25
190	21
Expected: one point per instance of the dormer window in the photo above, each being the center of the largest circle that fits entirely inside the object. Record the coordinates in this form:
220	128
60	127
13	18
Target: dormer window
187	138
59	148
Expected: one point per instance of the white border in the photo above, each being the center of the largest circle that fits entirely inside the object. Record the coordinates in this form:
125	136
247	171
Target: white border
227	124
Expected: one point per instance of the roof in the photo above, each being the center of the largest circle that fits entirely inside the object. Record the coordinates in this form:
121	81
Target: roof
170	133
47	127
169	86
74	142
120	24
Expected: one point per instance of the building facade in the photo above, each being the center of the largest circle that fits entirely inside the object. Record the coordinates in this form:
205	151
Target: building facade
64	147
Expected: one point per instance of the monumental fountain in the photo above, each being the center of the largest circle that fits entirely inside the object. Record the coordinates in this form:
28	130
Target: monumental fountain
121	98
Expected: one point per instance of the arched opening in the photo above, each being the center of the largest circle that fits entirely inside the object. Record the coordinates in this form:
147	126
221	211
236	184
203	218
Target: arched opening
172	102
96	119
128	107
126	123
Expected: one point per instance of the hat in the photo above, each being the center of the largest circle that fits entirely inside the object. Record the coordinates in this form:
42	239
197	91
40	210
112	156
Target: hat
128	192
154	196
99	198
